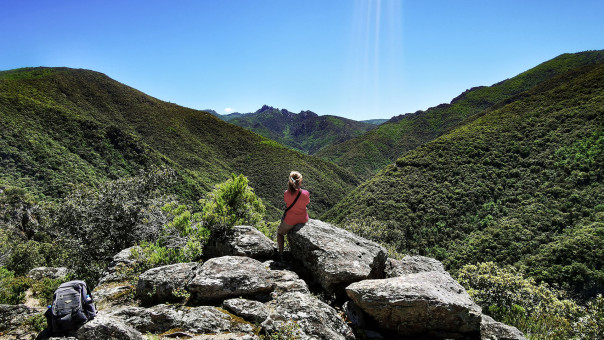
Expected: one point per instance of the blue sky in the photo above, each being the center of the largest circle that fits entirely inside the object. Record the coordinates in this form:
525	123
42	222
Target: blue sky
357	59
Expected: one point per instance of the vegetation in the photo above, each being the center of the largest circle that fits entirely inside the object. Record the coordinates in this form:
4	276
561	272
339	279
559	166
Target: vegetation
538	310
64	127
371	152
305	131
520	184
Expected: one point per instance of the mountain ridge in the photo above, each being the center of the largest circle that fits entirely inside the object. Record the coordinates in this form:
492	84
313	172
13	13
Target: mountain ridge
305	131
65	126
367	154
517	184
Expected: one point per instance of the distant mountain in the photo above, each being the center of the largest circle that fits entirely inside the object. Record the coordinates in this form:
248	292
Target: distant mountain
367	154
305	131
375	121
519	183
61	126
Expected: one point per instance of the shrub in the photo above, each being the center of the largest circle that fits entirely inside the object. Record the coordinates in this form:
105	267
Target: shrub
231	203
95	224
12	289
536	309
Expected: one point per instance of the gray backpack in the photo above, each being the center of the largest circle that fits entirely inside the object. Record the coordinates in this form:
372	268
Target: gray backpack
72	307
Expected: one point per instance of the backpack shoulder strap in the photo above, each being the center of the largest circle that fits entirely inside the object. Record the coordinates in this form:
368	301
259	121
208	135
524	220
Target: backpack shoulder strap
296	200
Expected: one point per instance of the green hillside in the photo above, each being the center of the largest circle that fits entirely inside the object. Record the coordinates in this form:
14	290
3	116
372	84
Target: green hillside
369	153
64	126
521	183
305	131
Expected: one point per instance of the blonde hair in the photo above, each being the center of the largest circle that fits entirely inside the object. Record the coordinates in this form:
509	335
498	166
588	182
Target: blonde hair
295	181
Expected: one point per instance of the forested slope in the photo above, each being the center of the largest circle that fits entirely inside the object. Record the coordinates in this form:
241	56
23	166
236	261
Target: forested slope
371	152
520	183
63	126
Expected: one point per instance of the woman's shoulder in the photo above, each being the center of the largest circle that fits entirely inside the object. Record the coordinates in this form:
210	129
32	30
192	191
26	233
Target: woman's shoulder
305	192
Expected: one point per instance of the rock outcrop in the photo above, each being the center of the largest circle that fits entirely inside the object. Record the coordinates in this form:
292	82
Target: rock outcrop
430	303
336	257
238	297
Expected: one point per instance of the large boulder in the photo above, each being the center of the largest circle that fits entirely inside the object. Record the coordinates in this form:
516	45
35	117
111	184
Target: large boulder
428	304
162	284
412	264
228	277
242	241
102	328
493	330
196	320
336	257
314	318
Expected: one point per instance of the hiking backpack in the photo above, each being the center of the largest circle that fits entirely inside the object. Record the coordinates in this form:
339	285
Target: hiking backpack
72	306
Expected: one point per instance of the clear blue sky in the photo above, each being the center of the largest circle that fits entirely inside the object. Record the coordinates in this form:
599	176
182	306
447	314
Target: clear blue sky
358	59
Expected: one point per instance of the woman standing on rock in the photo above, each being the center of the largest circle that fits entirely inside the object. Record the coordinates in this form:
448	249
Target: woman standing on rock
296	200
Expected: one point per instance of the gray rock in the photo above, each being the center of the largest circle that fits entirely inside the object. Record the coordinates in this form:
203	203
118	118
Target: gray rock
40	273
197	320
253	311
242	241
11	316
287	281
314	319
228	277
430	303
493	330
159	284
120	268
102	328
335	256
412	264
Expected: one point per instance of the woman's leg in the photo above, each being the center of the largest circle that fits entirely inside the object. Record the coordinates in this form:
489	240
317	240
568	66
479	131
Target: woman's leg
283	229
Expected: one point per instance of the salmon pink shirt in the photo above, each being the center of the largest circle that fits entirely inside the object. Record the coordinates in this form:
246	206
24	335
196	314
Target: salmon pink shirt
297	213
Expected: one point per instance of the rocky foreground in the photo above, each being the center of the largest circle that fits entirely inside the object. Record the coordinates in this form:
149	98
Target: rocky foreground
335	285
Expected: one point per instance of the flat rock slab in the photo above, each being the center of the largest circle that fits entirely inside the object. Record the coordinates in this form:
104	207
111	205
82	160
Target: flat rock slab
191	320
336	257
430	303
314	318
250	310
242	241
161	284
229	277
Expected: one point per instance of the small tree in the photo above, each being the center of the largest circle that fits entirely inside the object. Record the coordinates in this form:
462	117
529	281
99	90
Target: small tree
231	203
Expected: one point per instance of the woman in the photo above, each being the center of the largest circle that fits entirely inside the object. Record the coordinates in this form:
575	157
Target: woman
296	212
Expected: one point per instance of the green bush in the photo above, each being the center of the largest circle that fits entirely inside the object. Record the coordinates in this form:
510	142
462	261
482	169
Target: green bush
95	224
231	203
541	312
12	289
